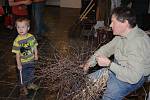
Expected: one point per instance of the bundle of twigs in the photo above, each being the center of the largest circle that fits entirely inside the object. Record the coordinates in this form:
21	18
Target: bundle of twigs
94	89
62	75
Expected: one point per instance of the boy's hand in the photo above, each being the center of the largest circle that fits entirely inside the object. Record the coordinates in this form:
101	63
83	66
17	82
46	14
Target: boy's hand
36	57
19	67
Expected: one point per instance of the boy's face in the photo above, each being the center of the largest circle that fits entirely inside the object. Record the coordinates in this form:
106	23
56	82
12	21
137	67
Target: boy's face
22	28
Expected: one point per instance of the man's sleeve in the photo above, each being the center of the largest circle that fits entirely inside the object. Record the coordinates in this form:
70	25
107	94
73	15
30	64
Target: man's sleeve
106	50
134	68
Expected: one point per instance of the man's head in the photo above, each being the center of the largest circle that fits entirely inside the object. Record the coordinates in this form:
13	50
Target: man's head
123	19
22	25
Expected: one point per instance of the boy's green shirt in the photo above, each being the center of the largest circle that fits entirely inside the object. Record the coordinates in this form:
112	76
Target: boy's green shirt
24	45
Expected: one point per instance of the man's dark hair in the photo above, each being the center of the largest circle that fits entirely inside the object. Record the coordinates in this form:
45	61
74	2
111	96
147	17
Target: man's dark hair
125	13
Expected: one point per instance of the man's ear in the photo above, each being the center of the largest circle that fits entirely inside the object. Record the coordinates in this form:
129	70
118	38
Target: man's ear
126	21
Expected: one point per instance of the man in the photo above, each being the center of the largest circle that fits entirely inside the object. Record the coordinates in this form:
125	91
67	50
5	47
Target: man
131	50
102	14
38	17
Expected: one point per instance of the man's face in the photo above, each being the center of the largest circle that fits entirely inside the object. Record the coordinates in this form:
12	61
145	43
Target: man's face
118	28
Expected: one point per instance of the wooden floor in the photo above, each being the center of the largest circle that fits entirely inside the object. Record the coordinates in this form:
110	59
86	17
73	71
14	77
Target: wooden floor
59	36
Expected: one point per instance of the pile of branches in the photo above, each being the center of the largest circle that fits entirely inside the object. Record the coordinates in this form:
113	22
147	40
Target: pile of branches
62	75
94	89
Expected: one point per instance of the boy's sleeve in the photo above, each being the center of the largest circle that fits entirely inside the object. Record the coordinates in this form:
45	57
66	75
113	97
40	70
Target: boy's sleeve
15	48
35	43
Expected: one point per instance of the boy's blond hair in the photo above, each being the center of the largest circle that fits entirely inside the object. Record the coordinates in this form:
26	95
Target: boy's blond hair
23	19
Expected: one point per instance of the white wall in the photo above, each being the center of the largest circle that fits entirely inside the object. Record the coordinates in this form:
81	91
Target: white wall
65	3
53	2
70	3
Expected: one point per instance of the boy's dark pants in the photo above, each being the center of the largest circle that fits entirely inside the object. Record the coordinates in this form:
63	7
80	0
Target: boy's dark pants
28	70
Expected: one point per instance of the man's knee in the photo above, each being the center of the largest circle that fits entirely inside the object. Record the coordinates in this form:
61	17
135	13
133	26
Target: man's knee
113	95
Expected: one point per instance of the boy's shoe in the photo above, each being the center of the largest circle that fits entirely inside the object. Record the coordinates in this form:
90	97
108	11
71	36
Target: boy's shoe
23	91
33	86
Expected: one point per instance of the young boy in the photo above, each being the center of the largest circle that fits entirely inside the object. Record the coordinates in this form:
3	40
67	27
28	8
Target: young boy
25	48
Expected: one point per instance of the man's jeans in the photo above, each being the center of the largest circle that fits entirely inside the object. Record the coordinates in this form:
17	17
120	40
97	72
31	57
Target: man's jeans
116	89
38	14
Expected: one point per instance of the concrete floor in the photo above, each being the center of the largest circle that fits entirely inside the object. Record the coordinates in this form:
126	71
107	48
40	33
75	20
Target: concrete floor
59	21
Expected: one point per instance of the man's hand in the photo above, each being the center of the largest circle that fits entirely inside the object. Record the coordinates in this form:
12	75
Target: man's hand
36	1
85	66
103	60
27	2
